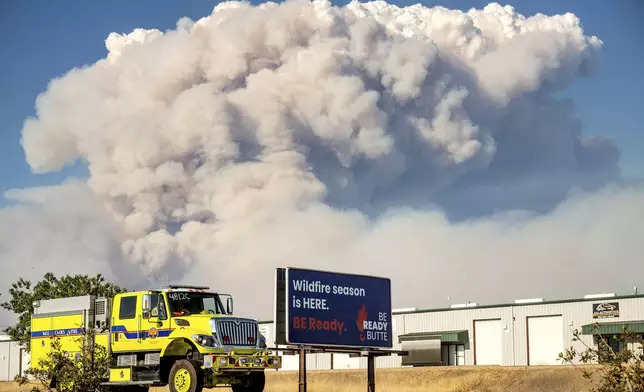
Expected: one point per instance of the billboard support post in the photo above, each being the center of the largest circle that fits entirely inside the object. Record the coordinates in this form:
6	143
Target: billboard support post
302	372
330	312
371	373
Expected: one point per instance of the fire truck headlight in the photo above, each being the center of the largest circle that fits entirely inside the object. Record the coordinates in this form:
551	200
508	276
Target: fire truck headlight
205	341
213	326
261	342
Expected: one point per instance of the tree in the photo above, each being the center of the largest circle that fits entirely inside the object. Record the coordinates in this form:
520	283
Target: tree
82	370
613	370
23	296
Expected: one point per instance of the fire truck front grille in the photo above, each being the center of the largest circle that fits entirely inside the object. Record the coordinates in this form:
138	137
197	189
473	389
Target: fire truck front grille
237	332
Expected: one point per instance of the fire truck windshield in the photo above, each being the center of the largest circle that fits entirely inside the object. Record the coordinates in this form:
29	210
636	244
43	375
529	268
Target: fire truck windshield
183	303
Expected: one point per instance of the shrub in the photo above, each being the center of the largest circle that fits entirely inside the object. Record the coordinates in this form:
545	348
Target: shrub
621	371
77	371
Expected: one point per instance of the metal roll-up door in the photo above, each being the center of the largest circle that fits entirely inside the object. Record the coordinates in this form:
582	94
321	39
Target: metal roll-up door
488	342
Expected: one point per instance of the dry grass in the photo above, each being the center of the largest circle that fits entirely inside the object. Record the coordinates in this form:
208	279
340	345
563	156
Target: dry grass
444	379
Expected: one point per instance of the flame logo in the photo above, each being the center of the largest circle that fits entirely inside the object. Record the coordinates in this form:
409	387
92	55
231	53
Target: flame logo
362	317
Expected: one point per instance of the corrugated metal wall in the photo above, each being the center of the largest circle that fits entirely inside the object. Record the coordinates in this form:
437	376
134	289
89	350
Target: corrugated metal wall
13	360
575	314
462	319
514	319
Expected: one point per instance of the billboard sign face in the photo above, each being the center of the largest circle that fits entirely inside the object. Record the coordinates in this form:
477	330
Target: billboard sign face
324	308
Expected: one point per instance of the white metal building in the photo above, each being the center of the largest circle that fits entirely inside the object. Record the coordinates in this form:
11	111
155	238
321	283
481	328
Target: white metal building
14	360
526	332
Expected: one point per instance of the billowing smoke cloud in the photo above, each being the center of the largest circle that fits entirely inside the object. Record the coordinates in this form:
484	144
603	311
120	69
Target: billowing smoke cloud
366	138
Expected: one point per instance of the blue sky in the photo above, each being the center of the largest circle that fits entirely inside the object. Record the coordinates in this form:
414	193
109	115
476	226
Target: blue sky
42	40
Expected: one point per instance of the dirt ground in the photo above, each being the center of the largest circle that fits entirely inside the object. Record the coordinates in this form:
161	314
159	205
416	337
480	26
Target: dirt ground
435	379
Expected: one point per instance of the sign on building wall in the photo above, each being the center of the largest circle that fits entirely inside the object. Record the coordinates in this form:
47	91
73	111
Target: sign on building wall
606	310
322	308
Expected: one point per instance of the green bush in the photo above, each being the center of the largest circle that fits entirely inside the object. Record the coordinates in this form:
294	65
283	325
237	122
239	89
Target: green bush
79	371
611	371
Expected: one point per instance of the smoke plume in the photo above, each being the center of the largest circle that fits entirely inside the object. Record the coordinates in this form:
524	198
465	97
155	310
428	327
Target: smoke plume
423	144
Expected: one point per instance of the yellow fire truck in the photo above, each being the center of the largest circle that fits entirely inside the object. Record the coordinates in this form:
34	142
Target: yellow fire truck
185	337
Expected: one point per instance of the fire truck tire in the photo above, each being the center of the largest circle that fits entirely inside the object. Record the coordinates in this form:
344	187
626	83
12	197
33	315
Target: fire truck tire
185	376
254	382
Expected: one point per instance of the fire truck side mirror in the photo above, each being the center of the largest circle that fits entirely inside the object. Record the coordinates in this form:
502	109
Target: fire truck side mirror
145	305
229	305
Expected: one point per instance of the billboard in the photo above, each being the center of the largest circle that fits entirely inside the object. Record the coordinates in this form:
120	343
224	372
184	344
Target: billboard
323	308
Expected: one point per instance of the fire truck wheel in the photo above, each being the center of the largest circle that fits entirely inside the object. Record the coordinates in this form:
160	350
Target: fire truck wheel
254	382
185	376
